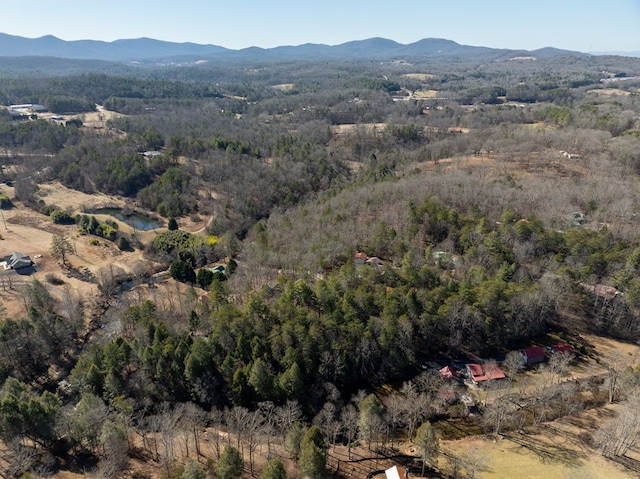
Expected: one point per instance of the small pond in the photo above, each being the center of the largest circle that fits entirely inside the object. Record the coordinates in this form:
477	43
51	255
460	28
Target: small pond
134	219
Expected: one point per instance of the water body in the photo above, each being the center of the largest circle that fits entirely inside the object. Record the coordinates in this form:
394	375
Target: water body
136	220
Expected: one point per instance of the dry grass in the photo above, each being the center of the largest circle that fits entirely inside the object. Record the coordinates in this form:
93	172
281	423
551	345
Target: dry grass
340	129
425	94
551	453
419	76
610	92
55	193
284	86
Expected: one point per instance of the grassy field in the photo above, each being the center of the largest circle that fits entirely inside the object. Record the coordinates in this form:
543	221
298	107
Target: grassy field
425	94
419	76
284	86
553	453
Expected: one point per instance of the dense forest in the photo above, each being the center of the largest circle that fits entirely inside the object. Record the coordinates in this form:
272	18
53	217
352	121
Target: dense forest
493	196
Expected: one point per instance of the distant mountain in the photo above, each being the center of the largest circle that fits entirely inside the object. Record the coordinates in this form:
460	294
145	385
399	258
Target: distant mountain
148	50
118	50
619	54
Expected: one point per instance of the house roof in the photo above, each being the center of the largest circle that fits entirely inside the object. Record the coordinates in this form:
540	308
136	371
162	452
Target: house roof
608	292
534	352
375	260
480	372
17	260
448	372
563	348
396	472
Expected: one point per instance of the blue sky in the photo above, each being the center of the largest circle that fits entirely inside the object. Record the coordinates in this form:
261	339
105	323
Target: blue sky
586	25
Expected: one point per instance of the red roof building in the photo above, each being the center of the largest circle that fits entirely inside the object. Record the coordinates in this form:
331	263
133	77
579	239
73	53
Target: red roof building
563	348
533	355
448	372
480	373
607	292
360	258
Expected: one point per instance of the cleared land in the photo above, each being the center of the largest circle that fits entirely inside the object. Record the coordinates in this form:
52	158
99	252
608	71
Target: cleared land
31	233
425	94
419	76
284	86
610	92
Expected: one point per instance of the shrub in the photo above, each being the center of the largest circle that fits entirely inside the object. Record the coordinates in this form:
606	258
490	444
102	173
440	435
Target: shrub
54	279
170	241
106	232
61	217
123	244
5	202
204	278
182	271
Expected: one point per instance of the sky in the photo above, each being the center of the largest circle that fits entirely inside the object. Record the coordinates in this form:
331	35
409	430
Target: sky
586	25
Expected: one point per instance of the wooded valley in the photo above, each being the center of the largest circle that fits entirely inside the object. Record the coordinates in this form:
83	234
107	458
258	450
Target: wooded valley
371	223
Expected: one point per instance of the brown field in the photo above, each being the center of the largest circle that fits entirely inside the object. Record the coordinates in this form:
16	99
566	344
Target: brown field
419	76
284	86
610	92
425	94
341	129
553	452
95	119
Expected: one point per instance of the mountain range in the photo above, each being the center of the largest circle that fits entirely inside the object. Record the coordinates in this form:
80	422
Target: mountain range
147	50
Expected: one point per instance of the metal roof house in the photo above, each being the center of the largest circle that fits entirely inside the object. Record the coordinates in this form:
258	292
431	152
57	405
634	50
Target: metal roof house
18	262
480	373
533	355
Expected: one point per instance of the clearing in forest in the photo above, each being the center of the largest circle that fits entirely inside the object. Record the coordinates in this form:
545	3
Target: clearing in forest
425	94
419	76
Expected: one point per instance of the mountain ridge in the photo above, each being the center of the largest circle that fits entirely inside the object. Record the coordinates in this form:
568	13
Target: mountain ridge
146	49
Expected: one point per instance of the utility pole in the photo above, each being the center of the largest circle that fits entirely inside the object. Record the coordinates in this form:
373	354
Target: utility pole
3	220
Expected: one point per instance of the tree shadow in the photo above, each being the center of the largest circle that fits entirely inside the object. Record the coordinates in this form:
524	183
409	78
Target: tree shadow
548	453
626	462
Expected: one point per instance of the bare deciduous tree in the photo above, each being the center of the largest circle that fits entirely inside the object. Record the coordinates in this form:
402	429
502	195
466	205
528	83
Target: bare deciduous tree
349	417
513	363
620	434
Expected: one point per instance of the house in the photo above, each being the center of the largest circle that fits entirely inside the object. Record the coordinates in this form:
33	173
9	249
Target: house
18	262
480	373
360	258
396	472
375	261
28	107
563	348
533	355
218	269
577	219
448	372
606	292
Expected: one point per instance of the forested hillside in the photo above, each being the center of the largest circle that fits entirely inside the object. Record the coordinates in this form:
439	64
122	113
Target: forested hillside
373	219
